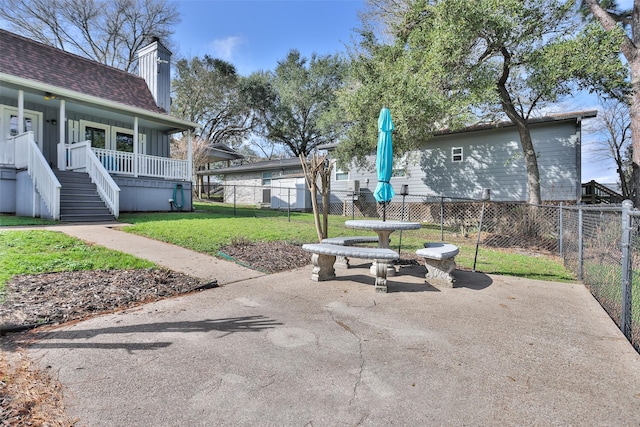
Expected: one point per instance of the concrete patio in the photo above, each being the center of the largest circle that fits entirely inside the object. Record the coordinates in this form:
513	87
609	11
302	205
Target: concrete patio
282	350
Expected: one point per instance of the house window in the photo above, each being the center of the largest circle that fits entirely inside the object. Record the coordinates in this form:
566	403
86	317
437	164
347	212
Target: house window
400	166
399	172
13	124
97	136
32	122
266	178
341	175
456	154
14	128
124	142
97	133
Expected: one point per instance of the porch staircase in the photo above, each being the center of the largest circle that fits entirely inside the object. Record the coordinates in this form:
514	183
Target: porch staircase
79	199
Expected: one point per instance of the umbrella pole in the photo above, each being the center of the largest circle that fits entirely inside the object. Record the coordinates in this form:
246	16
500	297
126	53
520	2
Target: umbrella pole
384	211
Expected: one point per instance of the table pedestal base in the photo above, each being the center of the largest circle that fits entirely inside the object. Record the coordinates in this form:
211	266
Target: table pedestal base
382	268
391	270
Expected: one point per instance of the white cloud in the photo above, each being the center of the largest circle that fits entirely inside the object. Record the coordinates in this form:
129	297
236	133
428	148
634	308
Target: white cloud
226	48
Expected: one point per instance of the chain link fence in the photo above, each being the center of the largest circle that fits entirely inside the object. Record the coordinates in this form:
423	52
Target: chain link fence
600	244
504	225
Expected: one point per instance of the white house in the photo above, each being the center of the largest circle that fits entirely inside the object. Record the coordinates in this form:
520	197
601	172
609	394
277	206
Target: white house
278	184
83	141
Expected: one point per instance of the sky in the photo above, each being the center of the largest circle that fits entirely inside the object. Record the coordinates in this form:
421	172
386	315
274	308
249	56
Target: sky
254	35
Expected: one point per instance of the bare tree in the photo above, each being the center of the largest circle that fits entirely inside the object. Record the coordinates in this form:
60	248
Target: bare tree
199	146
107	31
317	171
613	126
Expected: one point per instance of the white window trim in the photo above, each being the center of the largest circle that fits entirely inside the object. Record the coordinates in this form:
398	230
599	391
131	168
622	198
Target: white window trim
37	134
108	143
400	167
454	154
337	171
110	134
115	130
270	178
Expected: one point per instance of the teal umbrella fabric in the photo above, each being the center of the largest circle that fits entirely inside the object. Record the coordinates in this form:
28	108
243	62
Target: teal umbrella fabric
384	159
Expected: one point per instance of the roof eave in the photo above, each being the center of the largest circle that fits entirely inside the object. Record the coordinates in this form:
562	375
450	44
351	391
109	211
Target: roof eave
164	119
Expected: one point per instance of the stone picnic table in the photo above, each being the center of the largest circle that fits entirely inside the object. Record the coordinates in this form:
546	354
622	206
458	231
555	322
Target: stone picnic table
324	254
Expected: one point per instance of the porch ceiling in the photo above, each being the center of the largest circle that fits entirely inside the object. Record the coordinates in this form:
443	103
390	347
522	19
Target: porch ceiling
97	107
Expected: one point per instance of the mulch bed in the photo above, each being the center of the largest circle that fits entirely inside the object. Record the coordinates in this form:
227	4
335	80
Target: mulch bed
270	257
62	297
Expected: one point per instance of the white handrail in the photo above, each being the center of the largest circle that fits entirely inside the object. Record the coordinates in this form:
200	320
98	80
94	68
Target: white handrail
44	180
81	156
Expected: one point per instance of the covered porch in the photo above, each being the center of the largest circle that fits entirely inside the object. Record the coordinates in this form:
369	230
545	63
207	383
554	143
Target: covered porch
128	142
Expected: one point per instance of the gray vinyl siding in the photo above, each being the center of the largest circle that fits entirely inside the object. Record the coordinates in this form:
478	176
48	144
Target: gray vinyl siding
157	141
491	159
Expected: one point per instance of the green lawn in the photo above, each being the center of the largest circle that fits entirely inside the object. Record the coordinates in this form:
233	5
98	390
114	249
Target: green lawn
41	251
212	226
12	220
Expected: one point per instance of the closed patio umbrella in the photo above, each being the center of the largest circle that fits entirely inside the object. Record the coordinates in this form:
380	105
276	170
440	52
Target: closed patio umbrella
384	161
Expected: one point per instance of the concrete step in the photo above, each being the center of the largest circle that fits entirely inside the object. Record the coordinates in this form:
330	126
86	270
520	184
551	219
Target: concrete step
79	217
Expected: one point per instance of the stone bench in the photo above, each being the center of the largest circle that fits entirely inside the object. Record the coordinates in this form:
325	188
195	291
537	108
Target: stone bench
324	256
440	262
343	261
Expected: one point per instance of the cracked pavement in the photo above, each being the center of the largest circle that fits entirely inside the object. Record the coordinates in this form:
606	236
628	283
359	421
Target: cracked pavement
282	350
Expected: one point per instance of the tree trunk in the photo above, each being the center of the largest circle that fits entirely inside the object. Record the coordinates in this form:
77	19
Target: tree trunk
326	179
530	158
531	161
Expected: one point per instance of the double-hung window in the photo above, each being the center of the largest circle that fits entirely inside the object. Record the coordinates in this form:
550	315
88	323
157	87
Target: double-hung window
456	154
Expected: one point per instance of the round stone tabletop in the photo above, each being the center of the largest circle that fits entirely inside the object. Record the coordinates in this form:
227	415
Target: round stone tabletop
366	224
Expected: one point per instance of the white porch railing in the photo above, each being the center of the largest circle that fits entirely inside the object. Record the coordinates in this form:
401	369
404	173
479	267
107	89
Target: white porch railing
28	155
7	152
81	156
124	163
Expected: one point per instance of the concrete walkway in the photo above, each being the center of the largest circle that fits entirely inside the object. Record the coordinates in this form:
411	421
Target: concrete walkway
281	350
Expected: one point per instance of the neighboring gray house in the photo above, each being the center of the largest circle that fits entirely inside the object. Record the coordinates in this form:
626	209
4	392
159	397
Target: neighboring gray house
463	163
277	184
60	112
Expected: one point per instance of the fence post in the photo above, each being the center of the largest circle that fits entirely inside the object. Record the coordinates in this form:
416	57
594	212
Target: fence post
289	204
560	233
580	244
625	321
234	200
475	257
442	218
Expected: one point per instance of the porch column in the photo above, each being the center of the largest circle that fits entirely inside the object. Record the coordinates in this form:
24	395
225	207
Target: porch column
189	156
62	124
135	146
20	112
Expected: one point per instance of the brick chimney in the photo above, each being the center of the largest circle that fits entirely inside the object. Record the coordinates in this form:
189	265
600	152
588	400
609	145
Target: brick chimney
154	66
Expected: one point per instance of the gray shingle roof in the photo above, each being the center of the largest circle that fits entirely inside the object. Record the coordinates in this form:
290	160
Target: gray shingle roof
26	58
